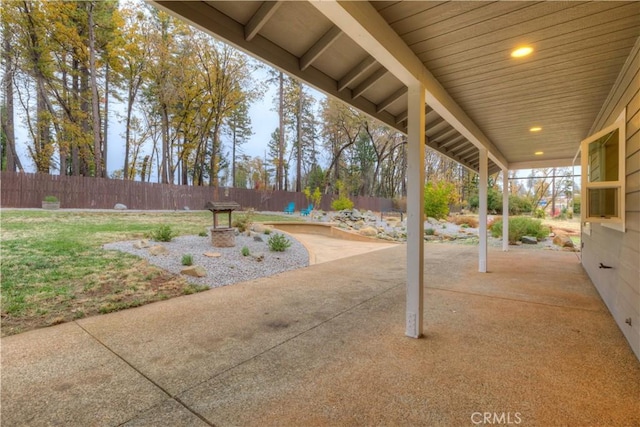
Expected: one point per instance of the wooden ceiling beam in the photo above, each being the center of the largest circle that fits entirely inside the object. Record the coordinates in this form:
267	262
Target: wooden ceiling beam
319	47
260	18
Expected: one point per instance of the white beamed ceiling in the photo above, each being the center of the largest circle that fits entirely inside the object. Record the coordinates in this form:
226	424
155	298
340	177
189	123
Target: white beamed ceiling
579	50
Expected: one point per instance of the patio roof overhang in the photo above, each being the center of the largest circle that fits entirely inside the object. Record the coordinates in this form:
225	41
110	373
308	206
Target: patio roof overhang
390	58
367	53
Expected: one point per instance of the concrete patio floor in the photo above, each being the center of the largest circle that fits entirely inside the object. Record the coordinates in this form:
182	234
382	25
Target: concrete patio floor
529	343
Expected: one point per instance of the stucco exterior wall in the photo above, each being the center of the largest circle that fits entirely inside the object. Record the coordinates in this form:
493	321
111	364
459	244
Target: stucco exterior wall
620	285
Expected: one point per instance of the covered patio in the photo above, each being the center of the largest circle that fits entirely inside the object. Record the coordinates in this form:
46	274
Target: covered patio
495	86
531	343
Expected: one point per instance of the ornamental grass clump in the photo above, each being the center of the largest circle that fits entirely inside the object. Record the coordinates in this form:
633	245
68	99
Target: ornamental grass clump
278	243
187	259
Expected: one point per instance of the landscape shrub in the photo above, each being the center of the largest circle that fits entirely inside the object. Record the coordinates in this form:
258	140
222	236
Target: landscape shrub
278	242
437	198
576	204
164	233
519	204
494	201
521	226
245	251
342	202
539	213
429	231
203	233
187	259
463	220
51	199
244	221
400	204
314	198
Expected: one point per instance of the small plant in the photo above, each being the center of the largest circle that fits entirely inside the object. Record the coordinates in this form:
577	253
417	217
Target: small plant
187	259
203	234
267	231
164	233
429	231
51	199
245	251
244	221
278	243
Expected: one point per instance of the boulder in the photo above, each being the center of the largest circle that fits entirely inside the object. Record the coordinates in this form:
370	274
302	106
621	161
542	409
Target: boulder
158	250
529	240
368	231
194	271
260	228
212	254
141	244
120	207
563	240
257	238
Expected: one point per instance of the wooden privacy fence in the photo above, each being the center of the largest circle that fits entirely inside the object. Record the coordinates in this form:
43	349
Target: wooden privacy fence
27	190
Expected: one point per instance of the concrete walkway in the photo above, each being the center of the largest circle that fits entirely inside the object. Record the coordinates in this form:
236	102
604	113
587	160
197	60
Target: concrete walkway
529	343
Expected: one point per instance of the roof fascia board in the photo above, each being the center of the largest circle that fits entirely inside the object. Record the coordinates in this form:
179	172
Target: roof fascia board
364	25
541	164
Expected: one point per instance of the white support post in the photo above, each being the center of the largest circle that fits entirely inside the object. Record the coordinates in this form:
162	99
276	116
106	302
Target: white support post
505	210
415	209
482	195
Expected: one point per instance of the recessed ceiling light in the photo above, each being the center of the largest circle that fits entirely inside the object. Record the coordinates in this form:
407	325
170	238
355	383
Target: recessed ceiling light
538	153
521	52
535	129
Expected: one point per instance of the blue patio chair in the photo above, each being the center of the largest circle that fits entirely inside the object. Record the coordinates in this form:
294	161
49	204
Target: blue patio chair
306	211
290	208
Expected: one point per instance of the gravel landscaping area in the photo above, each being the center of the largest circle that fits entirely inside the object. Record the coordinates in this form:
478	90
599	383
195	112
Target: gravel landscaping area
224	266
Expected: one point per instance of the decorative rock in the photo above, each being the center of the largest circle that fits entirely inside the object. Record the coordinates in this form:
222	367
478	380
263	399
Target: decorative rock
563	241
258	238
212	254
368	231
186	208
141	244
528	240
258	257
158	250
120	207
260	228
194	271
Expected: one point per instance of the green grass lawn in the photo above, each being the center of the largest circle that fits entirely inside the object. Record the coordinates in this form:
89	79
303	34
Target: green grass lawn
54	269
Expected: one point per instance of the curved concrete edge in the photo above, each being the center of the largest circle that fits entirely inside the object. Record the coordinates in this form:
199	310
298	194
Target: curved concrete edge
328	229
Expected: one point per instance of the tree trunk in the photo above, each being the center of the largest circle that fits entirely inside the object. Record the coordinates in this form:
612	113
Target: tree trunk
95	107
106	121
233	157
8	128
299	145
164	167
75	149
280	167
84	107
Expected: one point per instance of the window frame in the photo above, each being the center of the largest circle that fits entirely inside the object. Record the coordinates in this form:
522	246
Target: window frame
618	222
